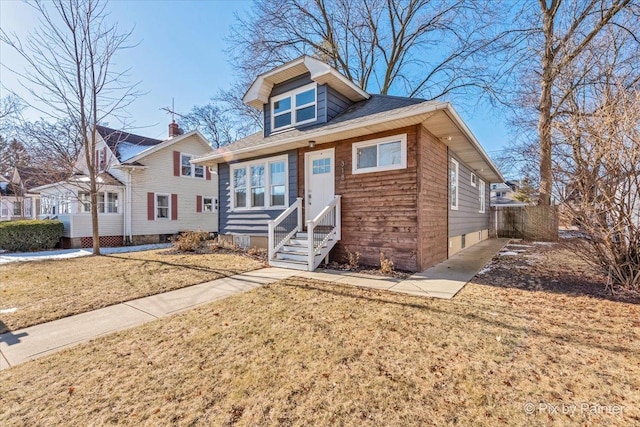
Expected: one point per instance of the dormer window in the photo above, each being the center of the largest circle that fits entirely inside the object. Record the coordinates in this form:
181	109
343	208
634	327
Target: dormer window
294	108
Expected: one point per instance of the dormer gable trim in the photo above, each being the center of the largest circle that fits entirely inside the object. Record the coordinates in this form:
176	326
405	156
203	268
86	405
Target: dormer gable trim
320	72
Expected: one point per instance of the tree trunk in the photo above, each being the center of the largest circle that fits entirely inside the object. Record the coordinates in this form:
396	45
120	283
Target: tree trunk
544	107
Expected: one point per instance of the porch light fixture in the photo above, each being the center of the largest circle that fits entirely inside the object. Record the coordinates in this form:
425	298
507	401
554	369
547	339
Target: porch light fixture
446	138
312	144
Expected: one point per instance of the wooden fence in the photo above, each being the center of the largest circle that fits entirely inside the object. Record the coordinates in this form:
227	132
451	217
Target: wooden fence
525	222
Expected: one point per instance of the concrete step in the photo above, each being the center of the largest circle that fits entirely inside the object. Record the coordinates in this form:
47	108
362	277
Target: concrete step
292	256
293	265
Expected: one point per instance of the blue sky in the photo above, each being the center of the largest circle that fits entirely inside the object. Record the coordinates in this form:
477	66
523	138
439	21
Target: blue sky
181	56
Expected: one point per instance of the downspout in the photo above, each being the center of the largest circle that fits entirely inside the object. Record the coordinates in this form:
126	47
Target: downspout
127	208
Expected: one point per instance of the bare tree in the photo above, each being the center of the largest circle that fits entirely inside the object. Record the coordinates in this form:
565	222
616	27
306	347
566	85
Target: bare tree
216	124
544	44
70	74
421	48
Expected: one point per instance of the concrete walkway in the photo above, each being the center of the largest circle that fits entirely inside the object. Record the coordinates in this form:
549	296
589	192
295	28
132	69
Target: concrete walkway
39	340
442	281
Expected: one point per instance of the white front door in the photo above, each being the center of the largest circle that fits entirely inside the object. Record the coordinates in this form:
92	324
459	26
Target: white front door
319	181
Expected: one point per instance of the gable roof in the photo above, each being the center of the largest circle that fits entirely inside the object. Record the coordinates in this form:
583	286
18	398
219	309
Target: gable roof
132	161
320	72
123	144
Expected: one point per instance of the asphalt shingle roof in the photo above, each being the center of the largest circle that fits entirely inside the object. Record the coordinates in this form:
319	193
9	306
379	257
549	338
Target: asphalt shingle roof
375	105
116	139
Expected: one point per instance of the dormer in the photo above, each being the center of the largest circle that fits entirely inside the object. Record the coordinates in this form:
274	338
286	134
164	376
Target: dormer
301	93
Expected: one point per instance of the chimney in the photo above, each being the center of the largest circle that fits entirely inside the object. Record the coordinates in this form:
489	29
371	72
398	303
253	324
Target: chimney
174	129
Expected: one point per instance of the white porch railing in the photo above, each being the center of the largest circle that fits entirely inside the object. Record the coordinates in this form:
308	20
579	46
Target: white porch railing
321	229
284	227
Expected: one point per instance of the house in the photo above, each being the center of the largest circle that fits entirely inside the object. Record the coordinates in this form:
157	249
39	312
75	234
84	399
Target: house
504	194
338	170
16	202
148	190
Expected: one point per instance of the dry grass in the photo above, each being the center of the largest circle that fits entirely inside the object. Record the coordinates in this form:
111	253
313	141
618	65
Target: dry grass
48	290
303	352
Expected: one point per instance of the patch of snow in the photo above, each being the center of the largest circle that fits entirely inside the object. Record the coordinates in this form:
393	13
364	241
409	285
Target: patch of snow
485	270
513	245
8	310
544	243
74	253
516	250
128	150
508	253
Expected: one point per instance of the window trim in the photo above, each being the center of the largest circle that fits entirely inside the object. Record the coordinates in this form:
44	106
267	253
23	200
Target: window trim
267	184
474	179
292	94
155	199
193	167
482	194
454	206
81	208
402	138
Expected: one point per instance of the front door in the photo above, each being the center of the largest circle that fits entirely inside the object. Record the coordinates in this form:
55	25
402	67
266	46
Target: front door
319	181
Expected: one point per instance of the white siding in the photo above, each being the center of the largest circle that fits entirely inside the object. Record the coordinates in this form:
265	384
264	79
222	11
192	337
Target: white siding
158	178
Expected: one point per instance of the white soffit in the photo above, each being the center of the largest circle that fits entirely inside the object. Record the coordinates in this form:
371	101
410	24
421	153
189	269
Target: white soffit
321	73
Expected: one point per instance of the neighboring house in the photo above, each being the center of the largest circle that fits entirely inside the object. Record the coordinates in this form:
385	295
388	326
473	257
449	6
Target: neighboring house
148	190
16	202
338	169
504	194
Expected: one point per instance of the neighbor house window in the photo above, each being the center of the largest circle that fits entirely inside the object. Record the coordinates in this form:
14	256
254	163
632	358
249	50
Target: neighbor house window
84	200
111	205
260	184
474	179
64	203
189	169
162	206
481	196
294	108
17	208
380	154
453	183
208	204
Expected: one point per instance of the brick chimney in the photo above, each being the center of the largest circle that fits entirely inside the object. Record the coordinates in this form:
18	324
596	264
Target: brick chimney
174	129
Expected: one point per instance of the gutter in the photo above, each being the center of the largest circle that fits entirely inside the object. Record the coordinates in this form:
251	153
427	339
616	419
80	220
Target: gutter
317	134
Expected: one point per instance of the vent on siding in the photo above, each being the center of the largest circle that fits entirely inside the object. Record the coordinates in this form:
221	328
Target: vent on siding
242	241
464	240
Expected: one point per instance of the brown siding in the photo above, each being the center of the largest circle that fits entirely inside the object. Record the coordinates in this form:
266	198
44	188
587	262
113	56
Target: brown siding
432	200
379	210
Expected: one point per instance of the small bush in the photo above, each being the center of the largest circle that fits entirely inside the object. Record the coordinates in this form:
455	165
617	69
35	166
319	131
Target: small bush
190	241
386	265
353	259
30	235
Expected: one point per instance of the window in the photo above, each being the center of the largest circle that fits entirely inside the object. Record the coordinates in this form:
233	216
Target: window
482	198
380	154
277	183
260	184
474	179
257	186
111	205
240	188
189	169
162	206
85	202
17	208
101	160
64	203
209	204
294	108
453	183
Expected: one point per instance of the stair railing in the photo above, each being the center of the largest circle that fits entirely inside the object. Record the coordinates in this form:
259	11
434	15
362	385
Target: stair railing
320	229
284	227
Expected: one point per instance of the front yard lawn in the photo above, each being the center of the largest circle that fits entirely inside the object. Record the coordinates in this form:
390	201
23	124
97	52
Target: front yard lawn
304	352
47	290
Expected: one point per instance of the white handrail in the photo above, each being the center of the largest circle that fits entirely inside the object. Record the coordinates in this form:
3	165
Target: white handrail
311	224
273	246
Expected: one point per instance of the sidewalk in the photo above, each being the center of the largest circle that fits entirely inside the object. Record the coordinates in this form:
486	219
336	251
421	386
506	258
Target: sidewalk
35	341
444	280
